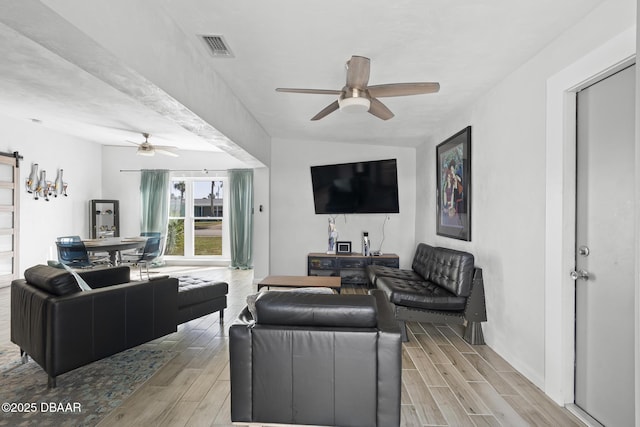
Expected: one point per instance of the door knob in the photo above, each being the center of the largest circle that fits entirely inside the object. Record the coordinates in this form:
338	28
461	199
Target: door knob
579	274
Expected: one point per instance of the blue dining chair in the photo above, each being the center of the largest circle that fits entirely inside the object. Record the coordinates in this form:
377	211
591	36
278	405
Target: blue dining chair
72	252
150	252
135	253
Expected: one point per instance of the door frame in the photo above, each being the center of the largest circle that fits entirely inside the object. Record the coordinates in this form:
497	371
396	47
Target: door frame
560	174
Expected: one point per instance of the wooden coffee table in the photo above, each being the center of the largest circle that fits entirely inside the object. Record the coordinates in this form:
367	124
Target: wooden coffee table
332	282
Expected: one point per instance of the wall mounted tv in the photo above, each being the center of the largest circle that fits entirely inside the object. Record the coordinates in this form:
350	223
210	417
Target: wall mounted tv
361	187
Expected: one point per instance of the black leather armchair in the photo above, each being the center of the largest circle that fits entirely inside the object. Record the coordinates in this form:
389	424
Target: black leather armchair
316	359
63	328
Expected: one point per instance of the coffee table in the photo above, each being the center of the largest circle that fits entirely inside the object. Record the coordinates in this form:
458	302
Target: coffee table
332	282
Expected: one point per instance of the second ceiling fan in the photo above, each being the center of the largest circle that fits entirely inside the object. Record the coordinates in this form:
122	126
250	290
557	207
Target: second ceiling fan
357	95
147	149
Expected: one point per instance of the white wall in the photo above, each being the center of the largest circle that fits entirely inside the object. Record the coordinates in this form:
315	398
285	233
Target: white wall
508	196
40	221
295	228
125	186
637	233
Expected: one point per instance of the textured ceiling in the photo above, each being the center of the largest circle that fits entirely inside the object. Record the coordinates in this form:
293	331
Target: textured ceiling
466	46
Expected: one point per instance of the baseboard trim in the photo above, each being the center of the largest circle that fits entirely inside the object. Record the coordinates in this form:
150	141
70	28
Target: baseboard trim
582	415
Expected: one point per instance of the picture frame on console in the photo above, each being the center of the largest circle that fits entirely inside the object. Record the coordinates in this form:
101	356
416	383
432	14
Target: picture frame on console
343	247
453	192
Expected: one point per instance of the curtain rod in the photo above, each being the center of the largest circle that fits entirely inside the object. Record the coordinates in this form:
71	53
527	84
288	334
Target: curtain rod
177	170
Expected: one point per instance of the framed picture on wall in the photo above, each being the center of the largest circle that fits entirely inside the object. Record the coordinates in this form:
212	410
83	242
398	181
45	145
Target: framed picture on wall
453	204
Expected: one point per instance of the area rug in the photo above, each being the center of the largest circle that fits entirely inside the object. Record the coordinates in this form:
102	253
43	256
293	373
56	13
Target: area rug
82	397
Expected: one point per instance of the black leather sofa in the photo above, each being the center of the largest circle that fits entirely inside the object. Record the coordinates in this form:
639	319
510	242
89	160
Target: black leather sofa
442	286
63	328
316	359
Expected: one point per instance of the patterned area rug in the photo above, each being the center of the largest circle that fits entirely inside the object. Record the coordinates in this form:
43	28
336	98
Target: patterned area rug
82	397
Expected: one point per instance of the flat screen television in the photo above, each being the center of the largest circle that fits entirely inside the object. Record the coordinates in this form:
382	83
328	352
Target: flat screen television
361	187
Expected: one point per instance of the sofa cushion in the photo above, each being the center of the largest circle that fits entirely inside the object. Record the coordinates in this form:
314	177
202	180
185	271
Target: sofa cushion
420	294
52	280
375	271
194	290
305	309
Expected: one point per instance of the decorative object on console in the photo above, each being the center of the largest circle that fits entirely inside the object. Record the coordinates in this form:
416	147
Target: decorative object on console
343	247
333	236
453	192
366	245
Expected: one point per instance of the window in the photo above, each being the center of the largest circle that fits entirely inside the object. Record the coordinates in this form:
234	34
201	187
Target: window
196	218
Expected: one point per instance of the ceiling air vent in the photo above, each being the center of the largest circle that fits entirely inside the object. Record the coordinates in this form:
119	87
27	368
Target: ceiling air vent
218	46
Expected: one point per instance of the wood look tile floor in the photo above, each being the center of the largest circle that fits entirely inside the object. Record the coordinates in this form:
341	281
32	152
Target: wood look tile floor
445	381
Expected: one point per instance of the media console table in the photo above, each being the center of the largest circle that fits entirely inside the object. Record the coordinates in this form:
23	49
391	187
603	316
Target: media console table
351	268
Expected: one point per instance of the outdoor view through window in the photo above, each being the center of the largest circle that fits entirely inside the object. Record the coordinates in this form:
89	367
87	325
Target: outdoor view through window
195	218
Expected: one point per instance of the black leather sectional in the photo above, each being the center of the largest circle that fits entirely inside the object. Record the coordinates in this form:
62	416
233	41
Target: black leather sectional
443	285
63	328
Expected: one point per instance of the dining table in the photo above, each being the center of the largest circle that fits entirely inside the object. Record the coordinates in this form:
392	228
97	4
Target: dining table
113	245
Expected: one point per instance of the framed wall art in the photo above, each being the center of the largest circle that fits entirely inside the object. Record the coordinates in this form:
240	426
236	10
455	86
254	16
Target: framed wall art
453	165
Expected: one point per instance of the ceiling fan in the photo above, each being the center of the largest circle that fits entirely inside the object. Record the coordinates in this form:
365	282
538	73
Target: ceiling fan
147	149
357	96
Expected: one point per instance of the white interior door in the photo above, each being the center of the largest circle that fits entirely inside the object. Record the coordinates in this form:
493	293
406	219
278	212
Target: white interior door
604	365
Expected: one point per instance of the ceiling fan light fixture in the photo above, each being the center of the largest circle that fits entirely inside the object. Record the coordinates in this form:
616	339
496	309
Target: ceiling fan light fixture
354	104
144	152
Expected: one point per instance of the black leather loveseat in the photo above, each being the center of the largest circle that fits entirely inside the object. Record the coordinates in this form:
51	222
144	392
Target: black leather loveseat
63	328
442	286
316	359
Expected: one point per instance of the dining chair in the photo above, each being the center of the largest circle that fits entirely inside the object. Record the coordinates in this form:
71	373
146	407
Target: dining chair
134	253
72	252
150	252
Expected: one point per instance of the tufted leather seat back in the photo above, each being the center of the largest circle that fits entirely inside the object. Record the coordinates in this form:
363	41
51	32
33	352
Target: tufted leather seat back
452	270
447	268
422	260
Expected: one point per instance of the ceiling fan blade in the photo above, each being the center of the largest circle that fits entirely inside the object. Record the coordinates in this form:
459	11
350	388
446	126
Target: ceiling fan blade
380	110
166	151
403	89
358	72
326	111
133	142
311	91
